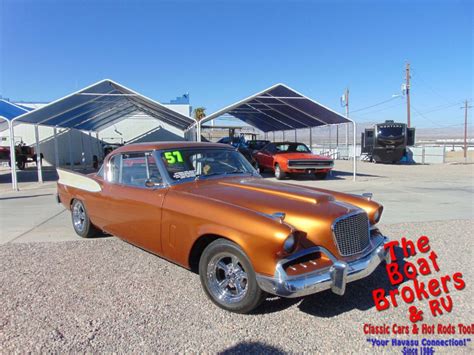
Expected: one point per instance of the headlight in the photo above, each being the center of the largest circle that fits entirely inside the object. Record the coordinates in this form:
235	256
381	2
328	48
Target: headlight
289	243
377	215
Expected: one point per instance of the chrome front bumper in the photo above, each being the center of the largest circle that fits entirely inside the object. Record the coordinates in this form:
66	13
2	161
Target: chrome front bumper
334	277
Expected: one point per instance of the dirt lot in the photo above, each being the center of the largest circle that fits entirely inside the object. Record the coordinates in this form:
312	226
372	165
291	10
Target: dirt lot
59	293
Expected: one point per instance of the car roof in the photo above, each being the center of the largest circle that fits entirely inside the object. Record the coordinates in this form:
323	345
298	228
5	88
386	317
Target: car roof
168	145
287	143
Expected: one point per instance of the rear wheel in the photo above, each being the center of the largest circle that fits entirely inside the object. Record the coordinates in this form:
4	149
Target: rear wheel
228	278
279	174
81	222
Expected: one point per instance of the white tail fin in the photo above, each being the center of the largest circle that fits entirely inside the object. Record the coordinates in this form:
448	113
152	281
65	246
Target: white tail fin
77	180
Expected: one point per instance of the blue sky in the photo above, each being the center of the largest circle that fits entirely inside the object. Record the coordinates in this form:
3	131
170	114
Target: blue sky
223	51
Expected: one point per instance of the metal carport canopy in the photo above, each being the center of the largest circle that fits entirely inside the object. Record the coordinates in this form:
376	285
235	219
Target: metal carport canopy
95	108
280	108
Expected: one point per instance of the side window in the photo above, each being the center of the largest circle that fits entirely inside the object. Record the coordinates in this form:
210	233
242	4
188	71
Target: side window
133	169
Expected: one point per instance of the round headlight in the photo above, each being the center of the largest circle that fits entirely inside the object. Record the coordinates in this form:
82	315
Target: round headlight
377	215
290	243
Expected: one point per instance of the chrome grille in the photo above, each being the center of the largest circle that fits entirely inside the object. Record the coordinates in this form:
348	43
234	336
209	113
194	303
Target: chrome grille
313	163
351	233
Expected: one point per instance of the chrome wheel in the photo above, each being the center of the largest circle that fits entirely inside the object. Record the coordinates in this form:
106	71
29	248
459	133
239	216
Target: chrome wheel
227	278
79	217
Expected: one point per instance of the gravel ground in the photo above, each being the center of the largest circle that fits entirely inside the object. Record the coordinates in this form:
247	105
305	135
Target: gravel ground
106	295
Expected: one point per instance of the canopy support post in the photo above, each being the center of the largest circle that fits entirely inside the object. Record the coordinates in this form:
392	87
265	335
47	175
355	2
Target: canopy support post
99	151
56	154
283	135
296	138
273	136
347	139
198	131
91	150
38	155
354	154
12	156
311	138
71	163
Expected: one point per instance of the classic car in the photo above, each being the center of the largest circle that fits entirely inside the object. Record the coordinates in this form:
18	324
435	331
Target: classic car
286	158
204	207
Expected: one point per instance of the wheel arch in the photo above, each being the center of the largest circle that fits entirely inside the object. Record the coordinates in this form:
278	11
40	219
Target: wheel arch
198	247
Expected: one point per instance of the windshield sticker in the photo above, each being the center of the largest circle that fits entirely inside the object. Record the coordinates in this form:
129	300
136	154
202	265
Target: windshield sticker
174	157
184	174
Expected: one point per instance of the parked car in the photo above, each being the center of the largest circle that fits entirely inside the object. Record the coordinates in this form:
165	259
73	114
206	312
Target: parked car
242	147
257	144
204	207
23	154
292	158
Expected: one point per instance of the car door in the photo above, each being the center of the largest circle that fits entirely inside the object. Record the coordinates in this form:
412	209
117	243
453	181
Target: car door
135	194
264	157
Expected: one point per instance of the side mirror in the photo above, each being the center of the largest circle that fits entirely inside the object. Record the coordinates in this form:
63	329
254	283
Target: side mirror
150	183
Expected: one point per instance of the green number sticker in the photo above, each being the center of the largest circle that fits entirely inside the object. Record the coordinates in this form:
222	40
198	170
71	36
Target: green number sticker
173	157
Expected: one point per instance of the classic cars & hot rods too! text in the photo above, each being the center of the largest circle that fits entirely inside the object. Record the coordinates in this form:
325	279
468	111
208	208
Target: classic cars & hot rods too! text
203	206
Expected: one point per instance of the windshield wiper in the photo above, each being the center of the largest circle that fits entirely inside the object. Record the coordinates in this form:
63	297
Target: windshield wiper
236	171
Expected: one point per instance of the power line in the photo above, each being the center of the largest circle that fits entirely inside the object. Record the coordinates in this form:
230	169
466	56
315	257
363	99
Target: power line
377	104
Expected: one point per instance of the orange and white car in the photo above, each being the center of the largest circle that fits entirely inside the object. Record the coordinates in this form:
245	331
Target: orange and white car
292	158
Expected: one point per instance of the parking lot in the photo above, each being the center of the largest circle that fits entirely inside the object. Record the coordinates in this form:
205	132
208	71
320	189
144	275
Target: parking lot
62	293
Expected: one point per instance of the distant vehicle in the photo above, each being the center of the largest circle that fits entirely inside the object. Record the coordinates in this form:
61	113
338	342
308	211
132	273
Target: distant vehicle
23	154
292	158
387	142
241	145
257	144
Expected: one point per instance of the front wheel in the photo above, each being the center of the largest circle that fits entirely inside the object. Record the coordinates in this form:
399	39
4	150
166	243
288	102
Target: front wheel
228	278
279	174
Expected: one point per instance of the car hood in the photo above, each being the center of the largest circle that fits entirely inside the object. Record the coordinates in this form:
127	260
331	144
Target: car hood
308	210
302	156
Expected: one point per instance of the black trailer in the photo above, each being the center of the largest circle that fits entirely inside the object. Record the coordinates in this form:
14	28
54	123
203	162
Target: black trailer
387	142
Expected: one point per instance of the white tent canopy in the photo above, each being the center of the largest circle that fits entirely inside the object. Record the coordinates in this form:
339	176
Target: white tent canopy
93	109
280	108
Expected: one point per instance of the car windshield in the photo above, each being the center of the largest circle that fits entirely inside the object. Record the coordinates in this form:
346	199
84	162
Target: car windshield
390	131
292	148
183	164
257	144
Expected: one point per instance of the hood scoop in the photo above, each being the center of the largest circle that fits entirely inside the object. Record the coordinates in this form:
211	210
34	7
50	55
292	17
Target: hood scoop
283	194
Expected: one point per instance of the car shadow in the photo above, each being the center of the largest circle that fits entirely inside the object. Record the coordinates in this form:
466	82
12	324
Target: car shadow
254	347
327	304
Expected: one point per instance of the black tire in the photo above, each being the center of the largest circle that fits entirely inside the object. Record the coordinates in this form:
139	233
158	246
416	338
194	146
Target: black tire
217	252
259	168
85	229
279	174
321	176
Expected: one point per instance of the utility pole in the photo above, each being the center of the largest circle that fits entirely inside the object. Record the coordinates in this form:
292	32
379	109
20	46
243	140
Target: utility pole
466	107
346	104
407	91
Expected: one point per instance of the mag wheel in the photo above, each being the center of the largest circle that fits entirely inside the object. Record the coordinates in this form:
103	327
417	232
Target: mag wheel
279	174
228	277
80	220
